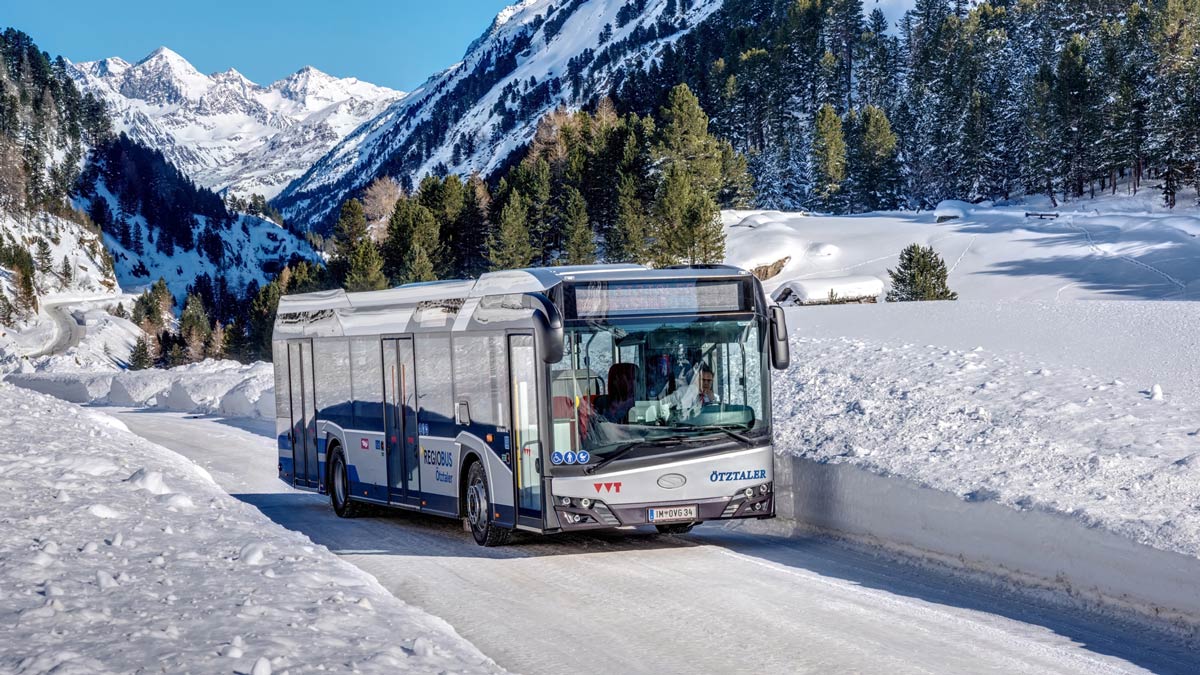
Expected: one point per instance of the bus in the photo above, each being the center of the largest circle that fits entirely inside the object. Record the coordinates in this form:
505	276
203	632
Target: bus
546	400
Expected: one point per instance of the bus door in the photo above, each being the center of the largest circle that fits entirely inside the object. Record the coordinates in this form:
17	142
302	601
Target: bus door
303	413
400	404
527	442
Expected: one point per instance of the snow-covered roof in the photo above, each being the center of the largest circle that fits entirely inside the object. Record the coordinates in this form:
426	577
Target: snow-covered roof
818	290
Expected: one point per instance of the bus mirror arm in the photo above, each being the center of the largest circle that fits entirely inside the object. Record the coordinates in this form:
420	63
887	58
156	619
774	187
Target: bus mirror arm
548	322
781	356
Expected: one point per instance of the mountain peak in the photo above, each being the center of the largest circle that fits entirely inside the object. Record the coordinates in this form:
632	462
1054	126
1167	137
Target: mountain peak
163	53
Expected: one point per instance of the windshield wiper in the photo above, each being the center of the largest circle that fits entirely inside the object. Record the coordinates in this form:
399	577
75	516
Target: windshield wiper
626	449
724	430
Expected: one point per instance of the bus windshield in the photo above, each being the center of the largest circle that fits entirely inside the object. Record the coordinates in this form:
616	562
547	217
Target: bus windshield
657	382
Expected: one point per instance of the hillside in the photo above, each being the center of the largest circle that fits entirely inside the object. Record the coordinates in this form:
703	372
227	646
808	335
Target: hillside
536	55
224	131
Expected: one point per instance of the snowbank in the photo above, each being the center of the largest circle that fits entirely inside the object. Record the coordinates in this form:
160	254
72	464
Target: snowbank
988	426
120	556
224	388
829	290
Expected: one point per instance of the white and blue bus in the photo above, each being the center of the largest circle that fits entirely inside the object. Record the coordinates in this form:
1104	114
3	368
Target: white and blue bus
548	400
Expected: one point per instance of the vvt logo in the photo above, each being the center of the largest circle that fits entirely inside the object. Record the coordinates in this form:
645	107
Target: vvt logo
607	487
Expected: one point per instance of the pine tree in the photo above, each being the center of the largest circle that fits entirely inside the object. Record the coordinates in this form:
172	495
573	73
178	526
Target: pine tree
195	328
511	248
828	158
581	244
41	257
349	232
628	239
921	275
365	269
140	358
687	224
27	299
177	356
411	223
1074	108
417	266
8	312
65	274
684	141
470	246
875	172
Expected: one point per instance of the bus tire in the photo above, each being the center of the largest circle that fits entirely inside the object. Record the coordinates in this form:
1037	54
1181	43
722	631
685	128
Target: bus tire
677	528
339	488
479	509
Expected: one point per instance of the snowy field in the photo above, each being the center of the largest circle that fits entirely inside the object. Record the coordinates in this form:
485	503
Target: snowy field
1113	248
121	556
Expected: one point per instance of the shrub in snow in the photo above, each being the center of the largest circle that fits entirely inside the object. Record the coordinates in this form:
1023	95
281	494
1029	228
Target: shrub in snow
921	275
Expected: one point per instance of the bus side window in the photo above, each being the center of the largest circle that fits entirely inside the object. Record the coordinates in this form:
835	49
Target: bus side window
434	384
283	410
479	377
331	357
366	364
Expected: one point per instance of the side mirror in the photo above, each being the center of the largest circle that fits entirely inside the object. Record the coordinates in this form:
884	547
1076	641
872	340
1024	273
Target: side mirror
781	356
548	327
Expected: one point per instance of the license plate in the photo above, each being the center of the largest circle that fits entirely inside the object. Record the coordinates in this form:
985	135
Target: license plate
670	513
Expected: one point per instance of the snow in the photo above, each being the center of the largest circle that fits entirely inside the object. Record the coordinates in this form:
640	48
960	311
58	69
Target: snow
209	387
118	554
255	249
1058	382
72	328
950	396
1116	248
224	131
809	291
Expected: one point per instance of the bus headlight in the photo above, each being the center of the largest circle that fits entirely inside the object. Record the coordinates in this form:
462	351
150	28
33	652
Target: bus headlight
749	492
762	489
566	501
585	503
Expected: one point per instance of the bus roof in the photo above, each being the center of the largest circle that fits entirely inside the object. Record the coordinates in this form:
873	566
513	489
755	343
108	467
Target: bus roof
532	280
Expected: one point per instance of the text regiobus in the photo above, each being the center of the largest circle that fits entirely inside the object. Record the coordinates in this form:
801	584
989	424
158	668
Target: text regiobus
547	400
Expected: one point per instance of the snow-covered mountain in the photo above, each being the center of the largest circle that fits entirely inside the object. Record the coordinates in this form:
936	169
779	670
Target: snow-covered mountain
536	55
224	131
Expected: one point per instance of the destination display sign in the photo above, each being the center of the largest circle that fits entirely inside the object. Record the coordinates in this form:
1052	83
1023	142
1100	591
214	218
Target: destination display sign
667	297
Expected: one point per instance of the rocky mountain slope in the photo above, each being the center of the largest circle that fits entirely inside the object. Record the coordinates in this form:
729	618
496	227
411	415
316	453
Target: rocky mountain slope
536	55
224	131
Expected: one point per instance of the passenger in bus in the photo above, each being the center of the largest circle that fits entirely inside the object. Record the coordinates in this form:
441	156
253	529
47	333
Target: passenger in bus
622	392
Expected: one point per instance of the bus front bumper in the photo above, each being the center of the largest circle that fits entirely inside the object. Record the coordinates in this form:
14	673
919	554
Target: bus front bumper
595	514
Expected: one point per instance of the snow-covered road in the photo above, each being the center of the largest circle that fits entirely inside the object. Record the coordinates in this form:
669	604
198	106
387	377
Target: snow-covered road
716	601
67	330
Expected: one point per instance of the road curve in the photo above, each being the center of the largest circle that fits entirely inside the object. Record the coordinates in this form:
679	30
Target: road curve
716	601
67	330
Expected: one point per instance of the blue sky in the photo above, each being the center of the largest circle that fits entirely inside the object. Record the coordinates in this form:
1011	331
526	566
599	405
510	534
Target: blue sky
396	44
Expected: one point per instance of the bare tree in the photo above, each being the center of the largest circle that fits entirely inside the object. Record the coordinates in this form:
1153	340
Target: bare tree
379	200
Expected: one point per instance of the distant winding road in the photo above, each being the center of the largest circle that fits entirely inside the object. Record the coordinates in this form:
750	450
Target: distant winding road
67	330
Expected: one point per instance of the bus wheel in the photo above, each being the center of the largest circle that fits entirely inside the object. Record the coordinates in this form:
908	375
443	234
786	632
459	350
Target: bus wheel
479	510
339	488
680	528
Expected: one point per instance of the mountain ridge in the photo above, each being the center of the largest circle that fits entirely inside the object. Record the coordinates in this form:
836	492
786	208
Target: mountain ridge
534	56
223	130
